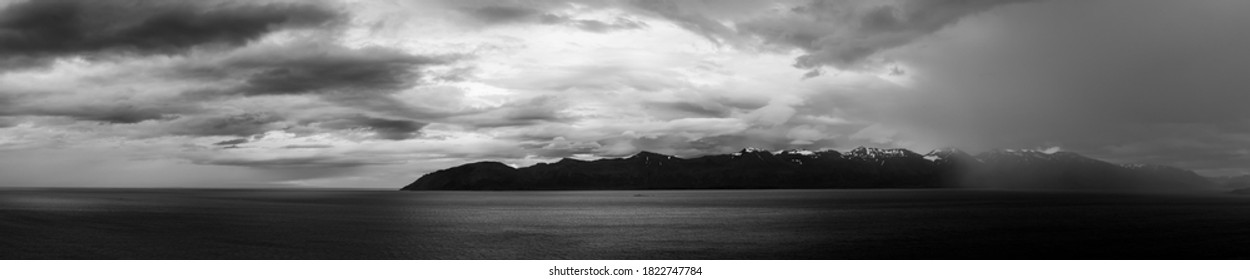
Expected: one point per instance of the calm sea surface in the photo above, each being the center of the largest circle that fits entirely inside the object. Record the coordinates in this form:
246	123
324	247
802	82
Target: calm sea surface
704	224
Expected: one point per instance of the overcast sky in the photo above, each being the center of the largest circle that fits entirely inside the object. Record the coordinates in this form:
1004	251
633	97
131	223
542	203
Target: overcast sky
376	93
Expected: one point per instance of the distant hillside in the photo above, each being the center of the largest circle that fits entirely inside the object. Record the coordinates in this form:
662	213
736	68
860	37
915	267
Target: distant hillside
1031	169
1241	183
858	168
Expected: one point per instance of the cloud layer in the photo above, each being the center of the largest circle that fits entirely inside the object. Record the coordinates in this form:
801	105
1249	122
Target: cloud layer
33	32
376	93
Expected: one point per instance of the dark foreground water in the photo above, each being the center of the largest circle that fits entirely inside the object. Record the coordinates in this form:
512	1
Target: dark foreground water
764	224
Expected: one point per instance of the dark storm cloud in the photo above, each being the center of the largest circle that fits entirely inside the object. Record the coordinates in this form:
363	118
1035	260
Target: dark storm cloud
232	142
33	31
6	104
310	68
119	115
363	78
388	129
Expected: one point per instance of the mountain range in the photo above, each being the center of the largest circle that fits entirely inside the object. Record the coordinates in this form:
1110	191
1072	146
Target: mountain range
861	167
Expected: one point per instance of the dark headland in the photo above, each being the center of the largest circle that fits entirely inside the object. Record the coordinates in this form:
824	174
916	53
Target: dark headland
860	168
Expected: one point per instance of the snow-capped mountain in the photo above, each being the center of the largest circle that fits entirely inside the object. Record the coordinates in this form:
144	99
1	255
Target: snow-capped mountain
875	154
750	150
797	152
944	155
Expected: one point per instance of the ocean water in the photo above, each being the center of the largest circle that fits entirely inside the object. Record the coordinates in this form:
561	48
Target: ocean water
702	224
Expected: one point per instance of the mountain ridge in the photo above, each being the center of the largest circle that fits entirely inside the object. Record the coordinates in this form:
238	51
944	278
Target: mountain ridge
861	167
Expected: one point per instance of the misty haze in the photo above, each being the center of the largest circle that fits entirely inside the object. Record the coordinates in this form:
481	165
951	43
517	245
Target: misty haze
624	129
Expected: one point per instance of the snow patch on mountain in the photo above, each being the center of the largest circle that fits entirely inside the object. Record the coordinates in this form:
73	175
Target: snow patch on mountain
801	152
878	153
750	150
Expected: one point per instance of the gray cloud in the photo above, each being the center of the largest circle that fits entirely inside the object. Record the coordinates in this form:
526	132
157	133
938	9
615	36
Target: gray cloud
560	148
843	34
243	125
591	25
311	146
1126	81
687	109
604	76
837	33
363	78
318	68
503	14
308	162
389	129
32	32
1146	81
121	111
117	113
232	142
125	116
525	112
689	16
